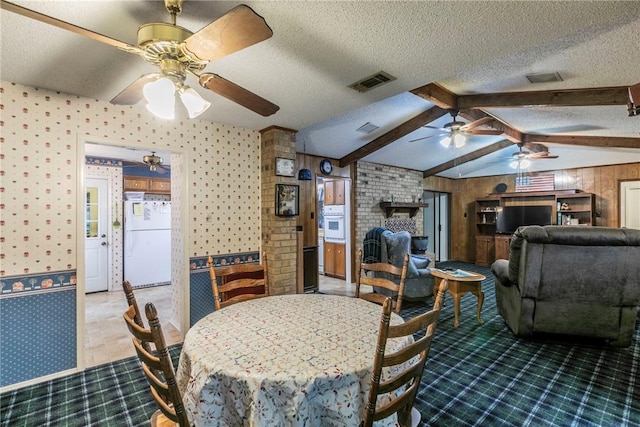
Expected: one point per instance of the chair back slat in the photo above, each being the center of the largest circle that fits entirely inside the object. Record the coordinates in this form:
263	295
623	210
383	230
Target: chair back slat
401	384
156	364
239	282
363	271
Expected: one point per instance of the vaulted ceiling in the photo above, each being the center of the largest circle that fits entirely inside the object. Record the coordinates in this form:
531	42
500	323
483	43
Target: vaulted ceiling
469	56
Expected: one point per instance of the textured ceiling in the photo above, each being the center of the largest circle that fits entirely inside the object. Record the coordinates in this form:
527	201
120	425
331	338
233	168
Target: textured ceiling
319	48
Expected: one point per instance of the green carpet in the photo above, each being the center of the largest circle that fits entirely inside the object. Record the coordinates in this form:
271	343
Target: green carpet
476	375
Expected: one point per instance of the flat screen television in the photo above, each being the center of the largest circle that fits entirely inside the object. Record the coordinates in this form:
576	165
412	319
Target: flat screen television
511	217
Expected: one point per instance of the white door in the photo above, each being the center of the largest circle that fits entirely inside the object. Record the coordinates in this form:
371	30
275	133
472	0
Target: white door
96	245
630	204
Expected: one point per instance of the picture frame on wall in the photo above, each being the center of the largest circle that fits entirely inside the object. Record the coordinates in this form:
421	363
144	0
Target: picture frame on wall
287	200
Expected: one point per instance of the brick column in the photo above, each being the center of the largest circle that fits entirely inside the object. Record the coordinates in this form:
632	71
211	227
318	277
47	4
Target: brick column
278	233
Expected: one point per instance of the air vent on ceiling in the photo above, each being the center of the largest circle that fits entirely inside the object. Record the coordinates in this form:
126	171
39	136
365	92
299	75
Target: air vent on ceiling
367	128
544	78
373	81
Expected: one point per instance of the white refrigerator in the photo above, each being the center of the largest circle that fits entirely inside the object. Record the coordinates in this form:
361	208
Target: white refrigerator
147	242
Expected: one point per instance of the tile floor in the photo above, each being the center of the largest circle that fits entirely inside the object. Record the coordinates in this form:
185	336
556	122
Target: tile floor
107	338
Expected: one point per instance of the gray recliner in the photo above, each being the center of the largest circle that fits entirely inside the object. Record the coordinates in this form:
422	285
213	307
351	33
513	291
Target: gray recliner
571	280
419	282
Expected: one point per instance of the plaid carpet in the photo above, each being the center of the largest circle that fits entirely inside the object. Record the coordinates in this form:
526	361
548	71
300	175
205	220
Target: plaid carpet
476	375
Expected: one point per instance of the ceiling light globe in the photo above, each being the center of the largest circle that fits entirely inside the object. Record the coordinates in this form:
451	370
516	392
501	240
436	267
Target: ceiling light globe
459	140
525	163
193	102
445	142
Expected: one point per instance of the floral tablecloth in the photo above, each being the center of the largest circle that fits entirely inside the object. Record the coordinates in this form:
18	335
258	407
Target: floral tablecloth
288	360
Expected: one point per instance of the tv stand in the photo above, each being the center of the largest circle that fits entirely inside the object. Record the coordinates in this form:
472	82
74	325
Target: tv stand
569	207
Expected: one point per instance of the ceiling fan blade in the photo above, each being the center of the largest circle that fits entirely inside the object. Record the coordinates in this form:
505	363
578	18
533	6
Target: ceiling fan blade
32	14
239	28
477	123
237	94
133	94
483	132
427	137
543	155
437	128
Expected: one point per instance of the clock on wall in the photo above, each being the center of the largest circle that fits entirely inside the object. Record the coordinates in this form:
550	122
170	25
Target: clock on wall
326	167
285	167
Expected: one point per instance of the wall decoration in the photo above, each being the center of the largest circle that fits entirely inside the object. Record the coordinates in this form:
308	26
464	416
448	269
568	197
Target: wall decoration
287	199
285	167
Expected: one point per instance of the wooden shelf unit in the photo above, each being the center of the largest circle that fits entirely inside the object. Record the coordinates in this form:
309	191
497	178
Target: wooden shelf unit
390	208
491	246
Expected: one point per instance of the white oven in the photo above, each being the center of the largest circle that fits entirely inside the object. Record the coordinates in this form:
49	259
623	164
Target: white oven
334	223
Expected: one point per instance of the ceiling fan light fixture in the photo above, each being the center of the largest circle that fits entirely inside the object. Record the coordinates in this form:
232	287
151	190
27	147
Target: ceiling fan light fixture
160	96
194	103
445	142
459	140
525	163
514	164
152	160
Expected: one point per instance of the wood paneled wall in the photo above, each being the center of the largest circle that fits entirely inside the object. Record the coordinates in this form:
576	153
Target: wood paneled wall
603	181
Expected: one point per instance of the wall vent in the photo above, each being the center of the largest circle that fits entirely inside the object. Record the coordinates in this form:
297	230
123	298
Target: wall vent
373	81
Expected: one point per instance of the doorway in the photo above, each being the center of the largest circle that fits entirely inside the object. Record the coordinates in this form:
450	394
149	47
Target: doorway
101	335
630	204
436	223
96	255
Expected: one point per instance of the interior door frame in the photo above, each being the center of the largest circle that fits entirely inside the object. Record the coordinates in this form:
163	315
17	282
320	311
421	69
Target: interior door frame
179	255
107	230
437	223
624	206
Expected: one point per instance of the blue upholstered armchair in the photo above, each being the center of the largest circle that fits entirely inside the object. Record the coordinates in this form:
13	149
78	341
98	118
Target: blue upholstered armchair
419	282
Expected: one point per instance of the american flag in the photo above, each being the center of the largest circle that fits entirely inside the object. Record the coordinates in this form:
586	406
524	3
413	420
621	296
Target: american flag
535	183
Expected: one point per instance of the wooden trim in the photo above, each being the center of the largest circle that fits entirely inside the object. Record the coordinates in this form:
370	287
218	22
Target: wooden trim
467	157
558	98
394	134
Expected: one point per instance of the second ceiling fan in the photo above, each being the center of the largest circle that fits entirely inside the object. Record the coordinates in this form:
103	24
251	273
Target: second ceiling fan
456	131
177	52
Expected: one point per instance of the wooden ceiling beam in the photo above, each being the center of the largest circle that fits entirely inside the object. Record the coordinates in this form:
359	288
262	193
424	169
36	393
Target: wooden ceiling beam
394	134
511	133
468	157
437	95
547	98
588	141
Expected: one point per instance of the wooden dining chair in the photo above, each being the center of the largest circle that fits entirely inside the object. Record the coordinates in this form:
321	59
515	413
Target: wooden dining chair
239	282
364	276
157	367
397	393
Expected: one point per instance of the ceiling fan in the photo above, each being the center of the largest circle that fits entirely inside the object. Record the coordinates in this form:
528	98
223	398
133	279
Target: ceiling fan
177	52
153	161
521	159
457	131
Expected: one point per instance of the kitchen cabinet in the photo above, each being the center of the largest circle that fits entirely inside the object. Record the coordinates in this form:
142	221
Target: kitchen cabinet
335	264
147	185
334	193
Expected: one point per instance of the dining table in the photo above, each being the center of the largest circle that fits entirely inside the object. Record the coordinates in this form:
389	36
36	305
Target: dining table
283	360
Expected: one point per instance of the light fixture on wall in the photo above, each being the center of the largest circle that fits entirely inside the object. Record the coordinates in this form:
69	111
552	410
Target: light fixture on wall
168	97
153	161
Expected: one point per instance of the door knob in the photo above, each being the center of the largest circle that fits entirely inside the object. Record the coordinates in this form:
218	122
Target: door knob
104	243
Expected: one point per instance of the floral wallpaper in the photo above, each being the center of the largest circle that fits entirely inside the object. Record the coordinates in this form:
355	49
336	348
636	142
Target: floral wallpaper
39	131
